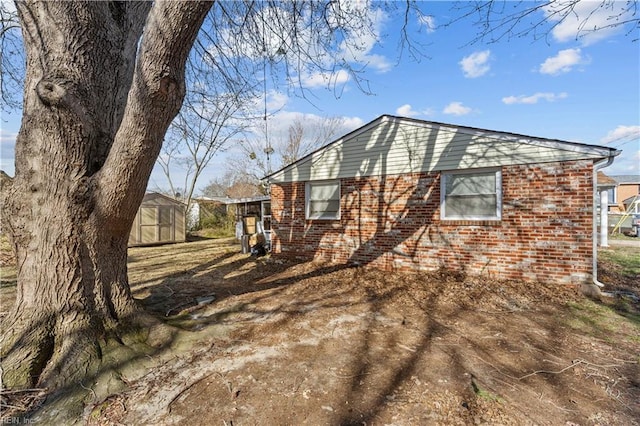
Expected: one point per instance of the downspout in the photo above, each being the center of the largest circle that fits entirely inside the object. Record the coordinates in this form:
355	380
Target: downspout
597	166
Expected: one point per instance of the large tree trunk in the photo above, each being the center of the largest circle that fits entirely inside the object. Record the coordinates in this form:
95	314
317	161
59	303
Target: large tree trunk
96	107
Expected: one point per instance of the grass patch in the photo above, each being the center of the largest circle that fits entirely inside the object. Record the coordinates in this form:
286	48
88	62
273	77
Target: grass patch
219	232
8	276
591	318
626	258
8	271
5	245
621	236
485	394
603	321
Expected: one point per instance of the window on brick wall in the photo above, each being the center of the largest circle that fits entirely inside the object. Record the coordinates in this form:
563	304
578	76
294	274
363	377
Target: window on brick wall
471	195
323	200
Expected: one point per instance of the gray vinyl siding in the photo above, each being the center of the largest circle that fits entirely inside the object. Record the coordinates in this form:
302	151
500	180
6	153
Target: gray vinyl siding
395	146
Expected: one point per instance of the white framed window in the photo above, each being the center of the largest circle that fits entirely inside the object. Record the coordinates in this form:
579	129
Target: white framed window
471	195
322	200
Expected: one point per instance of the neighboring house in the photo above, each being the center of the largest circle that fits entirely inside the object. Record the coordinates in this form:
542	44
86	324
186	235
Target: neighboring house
406	194
632	204
608	185
623	196
605	186
160	219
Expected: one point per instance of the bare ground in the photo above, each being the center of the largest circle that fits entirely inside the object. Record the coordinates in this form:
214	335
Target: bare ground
266	342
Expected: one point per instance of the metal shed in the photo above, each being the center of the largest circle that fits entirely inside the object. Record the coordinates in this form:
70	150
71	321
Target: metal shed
160	219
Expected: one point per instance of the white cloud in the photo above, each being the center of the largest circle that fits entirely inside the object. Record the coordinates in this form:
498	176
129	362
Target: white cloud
354	50
627	163
456	108
563	62
407	110
627	139
533	99
378	62
351	123
476	64
319	79
429	22
622	134
276	100
358	47
588	21
280	122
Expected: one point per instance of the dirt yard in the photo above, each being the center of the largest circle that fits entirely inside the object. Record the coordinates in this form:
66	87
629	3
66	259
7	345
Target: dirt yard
265	342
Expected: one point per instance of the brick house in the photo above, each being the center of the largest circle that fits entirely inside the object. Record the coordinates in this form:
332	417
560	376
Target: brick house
626	192
406	194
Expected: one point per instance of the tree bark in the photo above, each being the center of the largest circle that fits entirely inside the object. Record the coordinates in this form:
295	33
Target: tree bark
97	102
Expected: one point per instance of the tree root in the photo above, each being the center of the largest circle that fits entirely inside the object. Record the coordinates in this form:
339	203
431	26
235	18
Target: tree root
58	353
78	361
25	348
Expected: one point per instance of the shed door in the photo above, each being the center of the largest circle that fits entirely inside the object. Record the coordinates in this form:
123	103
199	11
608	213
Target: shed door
148	225
165	223
156	224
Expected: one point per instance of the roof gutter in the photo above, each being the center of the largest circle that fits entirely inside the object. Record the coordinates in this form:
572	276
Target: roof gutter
597	166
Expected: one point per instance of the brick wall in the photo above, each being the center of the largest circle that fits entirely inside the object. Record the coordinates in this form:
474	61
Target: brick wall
624	191
393	223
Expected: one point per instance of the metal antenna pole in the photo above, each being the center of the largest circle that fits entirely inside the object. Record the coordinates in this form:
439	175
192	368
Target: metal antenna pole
268	149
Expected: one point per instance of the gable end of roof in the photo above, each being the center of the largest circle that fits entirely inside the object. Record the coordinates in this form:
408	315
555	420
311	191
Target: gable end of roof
468	137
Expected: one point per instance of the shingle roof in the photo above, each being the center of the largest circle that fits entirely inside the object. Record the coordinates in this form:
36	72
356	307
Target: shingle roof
627	178
604	180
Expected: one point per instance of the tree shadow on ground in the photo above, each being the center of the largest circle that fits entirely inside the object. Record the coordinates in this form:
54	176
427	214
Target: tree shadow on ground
429	327
493	343
438	342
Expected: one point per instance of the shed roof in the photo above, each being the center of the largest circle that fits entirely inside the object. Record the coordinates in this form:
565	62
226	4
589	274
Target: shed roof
158	198
397	145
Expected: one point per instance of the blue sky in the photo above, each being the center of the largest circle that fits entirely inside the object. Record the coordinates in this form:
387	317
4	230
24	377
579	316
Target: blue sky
569	85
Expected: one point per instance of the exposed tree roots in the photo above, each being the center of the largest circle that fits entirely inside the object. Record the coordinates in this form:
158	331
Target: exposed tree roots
72	359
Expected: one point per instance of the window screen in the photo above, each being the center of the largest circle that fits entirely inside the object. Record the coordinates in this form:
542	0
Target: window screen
323	200
471	195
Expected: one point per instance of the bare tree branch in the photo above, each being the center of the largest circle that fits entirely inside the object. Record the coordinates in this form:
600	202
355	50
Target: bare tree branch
11	58
155	97
303	136
497	20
